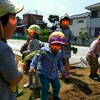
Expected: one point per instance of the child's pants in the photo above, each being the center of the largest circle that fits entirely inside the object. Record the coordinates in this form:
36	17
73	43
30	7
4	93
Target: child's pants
45	85
93	63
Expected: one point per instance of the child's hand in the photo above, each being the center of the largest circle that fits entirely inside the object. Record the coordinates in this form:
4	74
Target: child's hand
31	70
61	72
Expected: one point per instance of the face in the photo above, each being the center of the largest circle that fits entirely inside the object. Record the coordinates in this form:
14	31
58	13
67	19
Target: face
56	47
64	23
10	27
31	33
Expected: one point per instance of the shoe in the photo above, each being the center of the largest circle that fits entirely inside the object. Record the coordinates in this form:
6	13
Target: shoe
56	98
28	85
94	77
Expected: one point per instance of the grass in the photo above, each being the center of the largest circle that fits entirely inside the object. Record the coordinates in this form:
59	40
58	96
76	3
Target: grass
80	87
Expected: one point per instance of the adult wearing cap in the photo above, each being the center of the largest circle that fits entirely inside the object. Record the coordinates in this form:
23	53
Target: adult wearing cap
10	73
92	58
66	51
49	64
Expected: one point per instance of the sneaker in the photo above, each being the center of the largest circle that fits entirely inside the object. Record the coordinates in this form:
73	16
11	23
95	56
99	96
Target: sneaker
94	77
56	98
28	85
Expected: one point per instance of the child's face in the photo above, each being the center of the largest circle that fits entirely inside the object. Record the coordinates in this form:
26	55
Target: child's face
56	47
31	33
10	27
64	23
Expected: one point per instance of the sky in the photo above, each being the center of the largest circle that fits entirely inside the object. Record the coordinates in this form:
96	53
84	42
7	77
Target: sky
54	7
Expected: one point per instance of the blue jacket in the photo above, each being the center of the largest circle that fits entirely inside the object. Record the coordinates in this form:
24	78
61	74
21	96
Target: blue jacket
49	63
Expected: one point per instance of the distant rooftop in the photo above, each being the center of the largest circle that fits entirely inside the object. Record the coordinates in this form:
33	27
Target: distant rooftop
80	15
93	7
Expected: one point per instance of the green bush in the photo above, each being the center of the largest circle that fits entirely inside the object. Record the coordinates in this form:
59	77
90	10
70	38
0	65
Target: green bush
44	35
44	38
19	37
44	32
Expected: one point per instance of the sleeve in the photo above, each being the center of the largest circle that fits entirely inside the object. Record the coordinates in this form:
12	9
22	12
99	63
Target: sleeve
93	49
9	69
22	49
34	61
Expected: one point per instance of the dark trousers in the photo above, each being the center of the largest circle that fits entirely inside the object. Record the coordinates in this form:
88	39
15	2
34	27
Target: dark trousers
45	85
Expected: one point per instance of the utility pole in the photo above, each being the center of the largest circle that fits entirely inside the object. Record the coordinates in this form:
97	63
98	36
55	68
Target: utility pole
35	11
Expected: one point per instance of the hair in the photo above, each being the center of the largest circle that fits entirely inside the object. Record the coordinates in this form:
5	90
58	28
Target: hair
36	36
4	19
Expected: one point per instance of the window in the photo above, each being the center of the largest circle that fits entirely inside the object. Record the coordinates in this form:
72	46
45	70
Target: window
71	22
80	21
98	14
94	14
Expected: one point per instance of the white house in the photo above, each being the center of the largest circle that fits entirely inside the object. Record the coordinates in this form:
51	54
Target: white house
88	22
79	23
94	25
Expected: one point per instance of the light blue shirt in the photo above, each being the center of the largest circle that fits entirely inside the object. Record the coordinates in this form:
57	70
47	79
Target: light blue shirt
49	63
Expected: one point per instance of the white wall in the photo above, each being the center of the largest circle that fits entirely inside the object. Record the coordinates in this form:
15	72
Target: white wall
78	27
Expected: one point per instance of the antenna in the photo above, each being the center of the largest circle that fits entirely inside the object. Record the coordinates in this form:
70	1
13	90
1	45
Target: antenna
35	11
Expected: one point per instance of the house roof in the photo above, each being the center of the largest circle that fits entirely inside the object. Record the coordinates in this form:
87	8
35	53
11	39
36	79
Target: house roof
93	7
80	15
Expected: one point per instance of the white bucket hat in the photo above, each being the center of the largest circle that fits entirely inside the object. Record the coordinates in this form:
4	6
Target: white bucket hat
7	7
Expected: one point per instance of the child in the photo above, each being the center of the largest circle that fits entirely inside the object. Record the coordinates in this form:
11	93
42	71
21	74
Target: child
24	48
10	73
92	58
49	64
33	32
66	51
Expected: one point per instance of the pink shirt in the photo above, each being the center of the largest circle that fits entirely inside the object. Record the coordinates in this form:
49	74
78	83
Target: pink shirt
94	48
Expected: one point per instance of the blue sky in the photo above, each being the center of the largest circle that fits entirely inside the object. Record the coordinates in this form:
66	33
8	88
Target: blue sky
55	7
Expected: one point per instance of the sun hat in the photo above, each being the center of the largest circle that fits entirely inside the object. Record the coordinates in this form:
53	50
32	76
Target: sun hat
7	6
65	16
57	37
33	29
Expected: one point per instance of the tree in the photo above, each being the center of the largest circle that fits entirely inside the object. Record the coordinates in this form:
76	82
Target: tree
53	19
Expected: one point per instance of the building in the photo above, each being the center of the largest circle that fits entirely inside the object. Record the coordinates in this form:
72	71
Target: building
94	25
88	22
79	23
29	19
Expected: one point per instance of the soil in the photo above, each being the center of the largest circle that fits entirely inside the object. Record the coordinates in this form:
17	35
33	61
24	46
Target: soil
80	87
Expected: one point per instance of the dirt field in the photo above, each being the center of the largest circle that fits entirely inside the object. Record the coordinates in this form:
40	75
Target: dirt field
80	87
